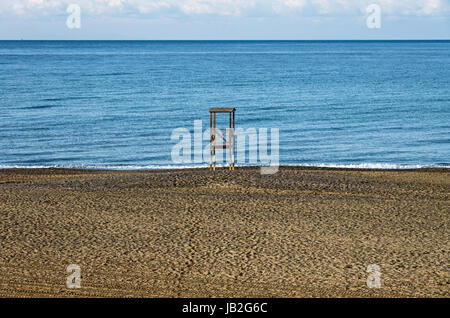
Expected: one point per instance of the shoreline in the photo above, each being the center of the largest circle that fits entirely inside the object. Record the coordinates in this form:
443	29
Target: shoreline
303	232
249	167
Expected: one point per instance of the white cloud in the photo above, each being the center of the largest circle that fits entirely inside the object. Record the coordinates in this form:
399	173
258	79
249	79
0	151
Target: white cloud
293	3
324	6
22	7
431	6
221	7
224	7
152	6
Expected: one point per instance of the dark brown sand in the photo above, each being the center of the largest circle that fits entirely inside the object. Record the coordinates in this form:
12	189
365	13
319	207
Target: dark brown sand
302	232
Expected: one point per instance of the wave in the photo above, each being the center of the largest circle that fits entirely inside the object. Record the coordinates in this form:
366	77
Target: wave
108	74
379	166
38	107
59	99
104	167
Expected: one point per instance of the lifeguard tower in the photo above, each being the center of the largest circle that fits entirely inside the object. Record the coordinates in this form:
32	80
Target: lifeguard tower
221	138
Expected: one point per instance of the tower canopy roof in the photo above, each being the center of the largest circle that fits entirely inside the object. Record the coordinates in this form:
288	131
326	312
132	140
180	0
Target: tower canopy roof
222	110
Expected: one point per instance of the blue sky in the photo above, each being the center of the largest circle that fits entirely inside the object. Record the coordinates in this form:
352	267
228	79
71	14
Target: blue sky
224	19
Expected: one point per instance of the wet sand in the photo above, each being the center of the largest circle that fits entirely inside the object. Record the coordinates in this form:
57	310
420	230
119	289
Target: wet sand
303	232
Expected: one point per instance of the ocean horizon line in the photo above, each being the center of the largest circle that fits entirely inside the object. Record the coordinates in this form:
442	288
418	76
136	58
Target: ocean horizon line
226	40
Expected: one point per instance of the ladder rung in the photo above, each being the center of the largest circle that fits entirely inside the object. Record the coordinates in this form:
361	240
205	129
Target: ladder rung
222	146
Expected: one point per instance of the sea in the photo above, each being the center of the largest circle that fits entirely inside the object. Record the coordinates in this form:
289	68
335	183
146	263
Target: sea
121	104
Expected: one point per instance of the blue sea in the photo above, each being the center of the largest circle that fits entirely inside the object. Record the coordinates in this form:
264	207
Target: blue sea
115	104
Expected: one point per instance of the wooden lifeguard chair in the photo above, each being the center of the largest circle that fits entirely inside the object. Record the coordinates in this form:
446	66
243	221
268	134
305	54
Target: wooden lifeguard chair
226	136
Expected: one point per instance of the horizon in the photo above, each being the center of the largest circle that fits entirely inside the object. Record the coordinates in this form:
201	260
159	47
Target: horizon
231	40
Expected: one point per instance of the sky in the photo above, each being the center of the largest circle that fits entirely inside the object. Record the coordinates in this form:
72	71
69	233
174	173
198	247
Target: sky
224	19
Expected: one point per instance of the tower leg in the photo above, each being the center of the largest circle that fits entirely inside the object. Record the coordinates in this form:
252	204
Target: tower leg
233	140
230	147
210	141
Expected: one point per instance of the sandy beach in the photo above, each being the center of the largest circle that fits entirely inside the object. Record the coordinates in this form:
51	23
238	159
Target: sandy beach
303	232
